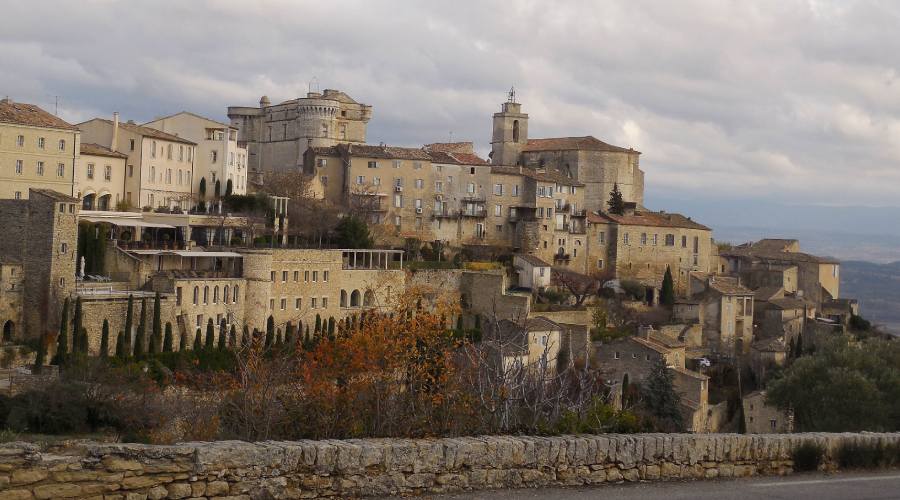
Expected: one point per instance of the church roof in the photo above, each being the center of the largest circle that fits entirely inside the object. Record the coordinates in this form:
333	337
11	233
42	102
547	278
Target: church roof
586	143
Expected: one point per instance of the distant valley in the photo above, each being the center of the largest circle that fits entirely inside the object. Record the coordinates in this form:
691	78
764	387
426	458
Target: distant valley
877	286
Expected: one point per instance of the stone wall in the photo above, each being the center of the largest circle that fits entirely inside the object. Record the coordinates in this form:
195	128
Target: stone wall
310	469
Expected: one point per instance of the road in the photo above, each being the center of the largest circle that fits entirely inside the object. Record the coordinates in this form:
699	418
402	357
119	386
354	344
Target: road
857	486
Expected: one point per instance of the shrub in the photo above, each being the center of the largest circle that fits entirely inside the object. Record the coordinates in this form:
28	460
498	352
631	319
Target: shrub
634	289
867	455
808	457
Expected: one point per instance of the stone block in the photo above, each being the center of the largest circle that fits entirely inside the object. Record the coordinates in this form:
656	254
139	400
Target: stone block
62	490
614	475
216	488
16	495
651	472
179	490
138	482
198	489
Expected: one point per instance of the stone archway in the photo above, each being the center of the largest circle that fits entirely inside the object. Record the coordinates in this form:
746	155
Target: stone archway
9	330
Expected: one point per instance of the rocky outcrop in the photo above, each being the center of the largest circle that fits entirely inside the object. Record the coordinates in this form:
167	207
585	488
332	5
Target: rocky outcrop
311	469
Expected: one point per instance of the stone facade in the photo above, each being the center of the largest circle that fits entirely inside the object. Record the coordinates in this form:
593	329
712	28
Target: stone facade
382	467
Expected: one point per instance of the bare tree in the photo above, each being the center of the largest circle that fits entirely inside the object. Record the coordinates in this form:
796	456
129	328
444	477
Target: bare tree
579	285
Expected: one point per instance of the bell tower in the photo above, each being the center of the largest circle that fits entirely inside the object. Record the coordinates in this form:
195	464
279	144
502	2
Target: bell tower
510	132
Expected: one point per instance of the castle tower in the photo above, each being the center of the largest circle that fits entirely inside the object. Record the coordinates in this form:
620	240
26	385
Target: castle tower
510	132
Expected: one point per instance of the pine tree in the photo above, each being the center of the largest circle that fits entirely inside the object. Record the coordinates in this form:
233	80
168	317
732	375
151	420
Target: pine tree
62	341
41	356
660	398
129	325
77	327
223	335
167	339
616	203
270	332
198	341
667	294
104	340
140	338
120	346
232	337
210	335
156	339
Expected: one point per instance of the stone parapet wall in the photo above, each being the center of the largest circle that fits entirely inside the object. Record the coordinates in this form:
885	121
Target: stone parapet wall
310	469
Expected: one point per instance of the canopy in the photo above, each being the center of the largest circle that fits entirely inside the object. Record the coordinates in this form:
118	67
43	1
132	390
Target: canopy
126	222
186	253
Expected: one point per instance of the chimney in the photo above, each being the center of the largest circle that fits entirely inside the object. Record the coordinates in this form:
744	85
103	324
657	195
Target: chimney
114	143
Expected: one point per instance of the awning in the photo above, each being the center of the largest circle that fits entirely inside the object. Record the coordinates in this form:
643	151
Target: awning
186	253
126	222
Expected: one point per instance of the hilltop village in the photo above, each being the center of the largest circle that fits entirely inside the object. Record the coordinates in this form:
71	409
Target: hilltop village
249	224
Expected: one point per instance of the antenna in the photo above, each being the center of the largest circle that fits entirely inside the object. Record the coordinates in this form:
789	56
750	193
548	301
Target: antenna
313	85
511	96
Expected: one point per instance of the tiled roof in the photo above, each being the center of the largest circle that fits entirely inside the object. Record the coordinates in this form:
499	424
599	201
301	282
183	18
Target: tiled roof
651	219
56	195
665	341
787	303
541	176
147	131
451	147
19	113
729	287
771	250
88	148
688	373
649	345
532	259
541	324
389	152
325	150
770	345
768	293
457	158
587	143
195	115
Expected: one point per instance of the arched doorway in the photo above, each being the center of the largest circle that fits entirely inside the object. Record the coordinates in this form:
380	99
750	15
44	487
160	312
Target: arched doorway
87	203
9	329
103	202
354	298
369	299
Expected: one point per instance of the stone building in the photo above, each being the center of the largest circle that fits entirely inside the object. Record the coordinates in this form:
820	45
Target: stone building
159	167
725	309
278	135
590	161
100	177
43	241
534	344
761	418
219	160
37	151
11	291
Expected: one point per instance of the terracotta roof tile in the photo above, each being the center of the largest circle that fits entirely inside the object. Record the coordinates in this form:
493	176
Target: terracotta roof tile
652	219
451	147
546	176
532	259
19	113
586	143
147	131
88	148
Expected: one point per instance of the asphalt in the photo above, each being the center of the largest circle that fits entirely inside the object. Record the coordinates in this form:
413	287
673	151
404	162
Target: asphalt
857	486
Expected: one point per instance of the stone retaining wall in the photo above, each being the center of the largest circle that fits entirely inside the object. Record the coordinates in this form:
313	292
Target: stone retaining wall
309	469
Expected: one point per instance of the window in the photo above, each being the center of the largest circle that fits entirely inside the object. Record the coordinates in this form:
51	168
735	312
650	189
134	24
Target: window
196	295
18	195
616	355
373	164
131	144
206	295
296	275
655	239
599	263
360	179
180	177
213	156
515	190
216	294
152	174
283	304
643	238
313	303
19	167
670	240
62	144
397	163
60	169
190	152
625	239
107	173
324	302
178	296
153	149
272	304
199	322
315	276
324	179
169	152
499	228
398	200
62	208
498	210
298	302
418	204
284	275
397	220
376	181
417	165
41	143
234	295
272	275
498	189
420	183
773	423
225	294
438	187
306	276
470	188
130	170
325	276
90	171
63	248
684	242
168	176
40	168
20	141
601	237
180	153
321	162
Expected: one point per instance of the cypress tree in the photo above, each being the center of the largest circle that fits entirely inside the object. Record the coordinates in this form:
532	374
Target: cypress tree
41	356
129	325
210	335
140	338
331	326
270	332
120	345
223	332
245	338
77	328
104	340
660	397
667	294
799	351
278	339
198	340
156	339
616	203
318	323
232	337
167	340
288	333
62	341
183	343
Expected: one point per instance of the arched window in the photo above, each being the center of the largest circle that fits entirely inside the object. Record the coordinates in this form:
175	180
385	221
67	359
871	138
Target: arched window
9	329
196	295
206	295
234	295
354	298
216	294
515	130
343	298
369	299
225	294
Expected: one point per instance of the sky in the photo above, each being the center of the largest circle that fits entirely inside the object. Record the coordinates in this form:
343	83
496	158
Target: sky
767	113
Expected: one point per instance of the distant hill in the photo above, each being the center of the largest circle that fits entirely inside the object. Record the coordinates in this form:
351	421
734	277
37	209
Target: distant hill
877	287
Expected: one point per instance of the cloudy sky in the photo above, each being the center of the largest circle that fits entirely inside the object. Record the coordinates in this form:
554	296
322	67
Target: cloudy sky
738	104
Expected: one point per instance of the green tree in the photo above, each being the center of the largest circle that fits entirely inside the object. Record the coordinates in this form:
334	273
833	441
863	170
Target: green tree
667	294
156	339
331	327
198	341
799	349
616	203
77	327
210	335
167	339
288	333
353	232
201	189
218	188
129	325
229	187
183	343
318	323
41	356
278	340
660	399
270	332
223	335
120	346
140	338
62	341
104	339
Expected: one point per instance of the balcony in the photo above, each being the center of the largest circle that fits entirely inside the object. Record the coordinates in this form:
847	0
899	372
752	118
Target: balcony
561	257
474	198
473	211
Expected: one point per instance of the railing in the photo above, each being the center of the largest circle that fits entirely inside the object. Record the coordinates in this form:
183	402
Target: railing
473	213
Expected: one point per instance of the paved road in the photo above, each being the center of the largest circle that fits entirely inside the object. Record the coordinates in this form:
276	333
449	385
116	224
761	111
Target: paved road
857	486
